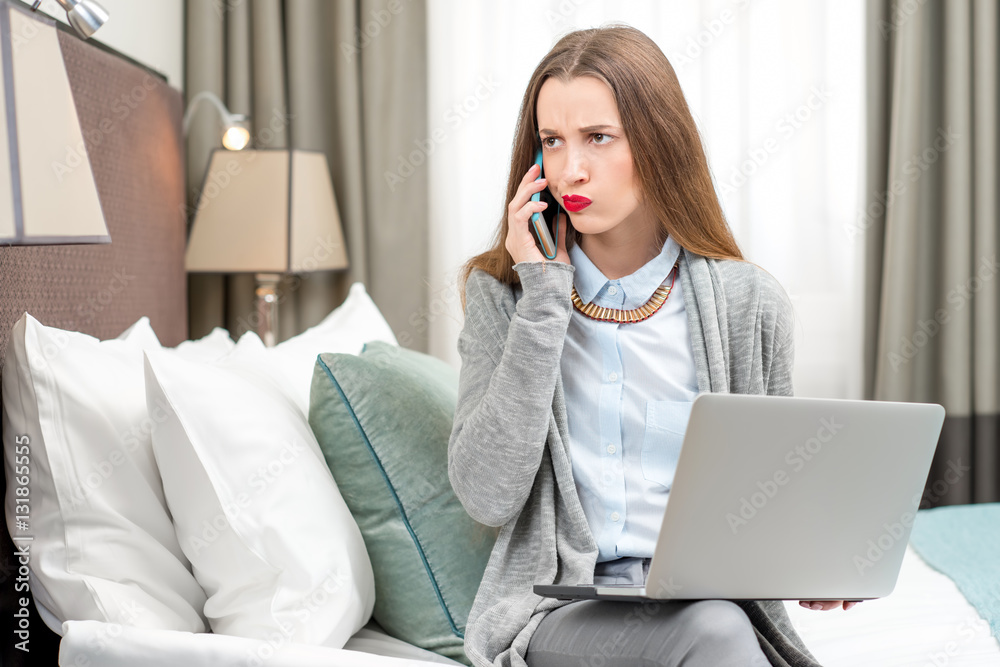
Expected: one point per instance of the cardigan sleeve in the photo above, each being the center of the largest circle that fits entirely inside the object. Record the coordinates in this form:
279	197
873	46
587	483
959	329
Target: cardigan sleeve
506	386
781	360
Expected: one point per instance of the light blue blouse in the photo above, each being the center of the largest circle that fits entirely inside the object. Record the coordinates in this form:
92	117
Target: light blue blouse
629	389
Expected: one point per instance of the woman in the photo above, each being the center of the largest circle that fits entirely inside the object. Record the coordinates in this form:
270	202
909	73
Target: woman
566	364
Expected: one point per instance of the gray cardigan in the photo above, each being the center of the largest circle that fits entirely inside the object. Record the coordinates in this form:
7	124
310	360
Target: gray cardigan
508	455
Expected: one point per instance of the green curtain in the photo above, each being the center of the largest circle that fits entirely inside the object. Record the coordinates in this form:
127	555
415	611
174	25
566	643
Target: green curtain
930	229
345	77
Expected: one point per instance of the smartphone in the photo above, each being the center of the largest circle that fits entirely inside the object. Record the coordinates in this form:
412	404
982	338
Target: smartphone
542	230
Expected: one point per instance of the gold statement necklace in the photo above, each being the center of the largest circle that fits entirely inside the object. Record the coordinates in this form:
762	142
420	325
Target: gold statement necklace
639	314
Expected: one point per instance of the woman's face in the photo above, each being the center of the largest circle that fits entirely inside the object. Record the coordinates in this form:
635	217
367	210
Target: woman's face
585	153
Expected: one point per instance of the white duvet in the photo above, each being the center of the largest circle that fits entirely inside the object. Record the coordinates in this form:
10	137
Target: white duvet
925	621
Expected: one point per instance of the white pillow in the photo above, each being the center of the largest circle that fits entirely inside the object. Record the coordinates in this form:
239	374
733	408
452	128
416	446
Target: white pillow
216	345
212	347
100	384
104	548
141	333
255	508
346	329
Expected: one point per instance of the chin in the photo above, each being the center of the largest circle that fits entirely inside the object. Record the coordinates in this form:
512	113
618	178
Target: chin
590	224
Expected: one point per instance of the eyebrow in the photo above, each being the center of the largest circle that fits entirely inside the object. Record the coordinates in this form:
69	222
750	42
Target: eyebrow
583	130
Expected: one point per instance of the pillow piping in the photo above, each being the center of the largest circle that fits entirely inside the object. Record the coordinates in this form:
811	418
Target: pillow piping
399	504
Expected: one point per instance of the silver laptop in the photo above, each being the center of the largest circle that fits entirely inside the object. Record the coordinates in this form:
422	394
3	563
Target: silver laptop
787	498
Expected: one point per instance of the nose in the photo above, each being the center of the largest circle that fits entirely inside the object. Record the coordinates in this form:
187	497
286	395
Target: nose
576	168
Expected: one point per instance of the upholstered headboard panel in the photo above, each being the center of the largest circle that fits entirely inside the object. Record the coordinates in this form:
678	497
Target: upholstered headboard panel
131	122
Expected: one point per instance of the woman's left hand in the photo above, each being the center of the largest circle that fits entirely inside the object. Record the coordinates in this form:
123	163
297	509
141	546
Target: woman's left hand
828	604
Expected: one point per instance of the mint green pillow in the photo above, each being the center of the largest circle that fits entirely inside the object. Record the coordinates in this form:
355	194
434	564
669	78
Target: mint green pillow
383	420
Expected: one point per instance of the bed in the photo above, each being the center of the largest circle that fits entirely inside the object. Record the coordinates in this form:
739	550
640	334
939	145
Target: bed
136	287
925	621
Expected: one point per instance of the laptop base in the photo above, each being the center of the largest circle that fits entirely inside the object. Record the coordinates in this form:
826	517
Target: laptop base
630	593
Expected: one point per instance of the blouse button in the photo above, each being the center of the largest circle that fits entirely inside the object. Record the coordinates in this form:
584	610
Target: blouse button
612	377
612	290
611	449
615	516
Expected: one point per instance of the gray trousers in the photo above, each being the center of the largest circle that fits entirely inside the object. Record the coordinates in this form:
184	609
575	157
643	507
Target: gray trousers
652	633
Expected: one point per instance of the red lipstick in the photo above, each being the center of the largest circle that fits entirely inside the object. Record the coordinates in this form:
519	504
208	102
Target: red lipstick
575	203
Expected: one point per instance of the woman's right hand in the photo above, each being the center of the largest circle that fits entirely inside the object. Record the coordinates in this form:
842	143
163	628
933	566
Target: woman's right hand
520	241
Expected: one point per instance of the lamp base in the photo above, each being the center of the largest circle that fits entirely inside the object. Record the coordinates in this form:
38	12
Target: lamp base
267	306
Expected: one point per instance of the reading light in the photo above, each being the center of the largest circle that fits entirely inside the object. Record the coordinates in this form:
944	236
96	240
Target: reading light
237	135
236	132
86	16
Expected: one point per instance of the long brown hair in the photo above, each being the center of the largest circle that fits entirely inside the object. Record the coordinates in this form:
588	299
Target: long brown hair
667	153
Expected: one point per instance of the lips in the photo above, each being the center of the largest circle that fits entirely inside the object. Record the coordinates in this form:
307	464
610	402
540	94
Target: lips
575	203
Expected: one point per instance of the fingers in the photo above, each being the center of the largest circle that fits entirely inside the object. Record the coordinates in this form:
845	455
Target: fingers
528	187
829	604
530	175
520	241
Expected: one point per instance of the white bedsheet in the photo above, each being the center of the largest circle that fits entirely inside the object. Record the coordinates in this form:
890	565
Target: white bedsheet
925	622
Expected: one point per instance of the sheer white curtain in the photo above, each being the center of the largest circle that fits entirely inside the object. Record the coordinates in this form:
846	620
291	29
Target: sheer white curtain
776	89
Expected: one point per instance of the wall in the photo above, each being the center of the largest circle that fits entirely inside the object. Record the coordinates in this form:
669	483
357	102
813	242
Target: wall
149	31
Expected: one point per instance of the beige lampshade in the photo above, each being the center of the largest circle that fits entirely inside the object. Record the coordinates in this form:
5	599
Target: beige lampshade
47	189
266	211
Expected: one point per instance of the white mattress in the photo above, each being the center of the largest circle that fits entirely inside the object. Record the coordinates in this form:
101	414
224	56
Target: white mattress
925	621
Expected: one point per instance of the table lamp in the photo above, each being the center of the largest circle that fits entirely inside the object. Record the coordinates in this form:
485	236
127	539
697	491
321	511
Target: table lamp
267	212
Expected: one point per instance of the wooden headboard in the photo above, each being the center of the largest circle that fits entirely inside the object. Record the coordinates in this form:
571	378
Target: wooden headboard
131	122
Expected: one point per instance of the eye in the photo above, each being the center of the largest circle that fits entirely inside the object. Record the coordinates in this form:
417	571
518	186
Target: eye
546	140
601	135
